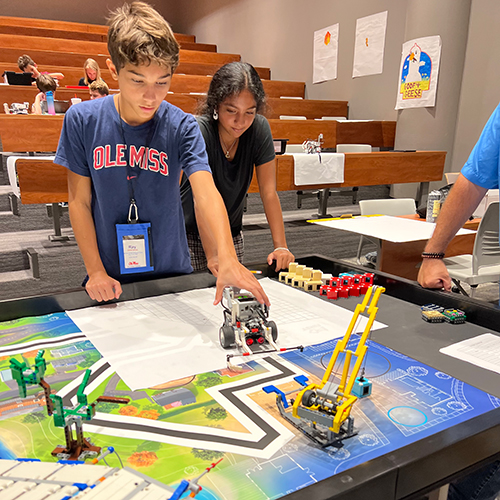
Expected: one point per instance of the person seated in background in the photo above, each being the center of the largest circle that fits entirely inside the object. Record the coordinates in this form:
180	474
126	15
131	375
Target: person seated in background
27	65
45	83
91	73
98	89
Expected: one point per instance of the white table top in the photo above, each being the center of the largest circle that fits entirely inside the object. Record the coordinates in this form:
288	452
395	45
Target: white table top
386	227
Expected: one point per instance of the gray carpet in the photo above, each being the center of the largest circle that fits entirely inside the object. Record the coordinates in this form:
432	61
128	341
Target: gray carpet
61	266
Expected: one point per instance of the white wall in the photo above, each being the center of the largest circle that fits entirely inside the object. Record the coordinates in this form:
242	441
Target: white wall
480	92
279	34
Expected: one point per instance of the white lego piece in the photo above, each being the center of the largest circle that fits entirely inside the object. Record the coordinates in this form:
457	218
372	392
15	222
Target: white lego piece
119	485
6	465
33	470
80	473
17	490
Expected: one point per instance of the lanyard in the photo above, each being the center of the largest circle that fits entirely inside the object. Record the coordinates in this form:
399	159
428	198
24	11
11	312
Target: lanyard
133	211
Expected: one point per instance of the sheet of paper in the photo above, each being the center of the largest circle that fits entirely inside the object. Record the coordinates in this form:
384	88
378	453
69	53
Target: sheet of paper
154	340
326	46
483	351
369	45
386	227
310	169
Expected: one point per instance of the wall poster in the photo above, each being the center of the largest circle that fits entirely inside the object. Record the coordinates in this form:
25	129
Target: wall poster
418	75
326	45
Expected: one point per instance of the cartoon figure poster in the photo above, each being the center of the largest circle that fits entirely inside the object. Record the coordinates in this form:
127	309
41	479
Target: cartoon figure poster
369	45
418	74
326	44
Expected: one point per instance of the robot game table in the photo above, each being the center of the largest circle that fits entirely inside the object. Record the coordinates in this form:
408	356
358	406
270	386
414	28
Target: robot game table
405	473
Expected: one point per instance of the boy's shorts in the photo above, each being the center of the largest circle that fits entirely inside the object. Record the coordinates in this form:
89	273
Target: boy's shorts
198	258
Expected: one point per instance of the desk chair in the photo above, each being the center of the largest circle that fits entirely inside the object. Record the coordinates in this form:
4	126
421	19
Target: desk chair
451	177
290	117
351	148
483	266
394	207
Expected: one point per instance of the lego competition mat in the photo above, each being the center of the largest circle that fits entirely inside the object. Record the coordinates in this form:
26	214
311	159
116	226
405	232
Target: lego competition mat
176	428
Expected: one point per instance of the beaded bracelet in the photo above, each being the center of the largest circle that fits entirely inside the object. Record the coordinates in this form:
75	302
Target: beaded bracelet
432	255
281	248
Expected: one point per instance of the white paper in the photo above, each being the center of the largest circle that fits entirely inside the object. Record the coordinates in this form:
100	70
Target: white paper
418	74
326	45
154	340
369	45
308	169
386	227
483	351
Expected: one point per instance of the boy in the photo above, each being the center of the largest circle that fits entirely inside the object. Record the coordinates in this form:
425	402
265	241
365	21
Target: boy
98	89
125	154
45	83
27	65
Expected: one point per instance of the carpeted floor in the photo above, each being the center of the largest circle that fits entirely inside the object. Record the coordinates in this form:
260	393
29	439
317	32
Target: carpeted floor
61	266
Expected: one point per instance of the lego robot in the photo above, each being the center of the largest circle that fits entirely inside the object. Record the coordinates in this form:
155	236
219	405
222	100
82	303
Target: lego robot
245	322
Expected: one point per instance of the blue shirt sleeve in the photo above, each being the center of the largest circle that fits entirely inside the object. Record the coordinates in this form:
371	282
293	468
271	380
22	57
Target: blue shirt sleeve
192	151
482	167
71	150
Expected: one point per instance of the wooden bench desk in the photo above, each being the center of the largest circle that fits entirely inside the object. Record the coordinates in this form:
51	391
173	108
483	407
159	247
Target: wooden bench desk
64	29
370	169
310	108
26	43
77	58
376	133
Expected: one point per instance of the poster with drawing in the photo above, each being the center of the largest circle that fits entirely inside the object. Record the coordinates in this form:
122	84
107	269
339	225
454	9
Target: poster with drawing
418	74
369	45
326	44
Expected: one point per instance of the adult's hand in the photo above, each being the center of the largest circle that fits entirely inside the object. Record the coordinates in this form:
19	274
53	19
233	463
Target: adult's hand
235	274
282	258
433	274
102	287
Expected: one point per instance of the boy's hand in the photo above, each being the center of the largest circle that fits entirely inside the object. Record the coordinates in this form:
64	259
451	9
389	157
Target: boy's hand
433	274
101	287
282	258
235	274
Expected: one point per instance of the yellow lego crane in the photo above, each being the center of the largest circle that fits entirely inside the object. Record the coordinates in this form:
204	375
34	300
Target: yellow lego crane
323	411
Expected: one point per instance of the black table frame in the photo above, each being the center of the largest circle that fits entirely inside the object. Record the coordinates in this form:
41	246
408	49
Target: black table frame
403	474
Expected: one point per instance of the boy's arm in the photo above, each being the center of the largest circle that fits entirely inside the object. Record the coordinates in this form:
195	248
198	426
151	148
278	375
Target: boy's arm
57	76
266	177
208	241
209	203
37	107
459	205
100	286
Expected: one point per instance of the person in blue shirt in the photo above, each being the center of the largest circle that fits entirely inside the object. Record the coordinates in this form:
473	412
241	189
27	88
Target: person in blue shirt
125	154
480	173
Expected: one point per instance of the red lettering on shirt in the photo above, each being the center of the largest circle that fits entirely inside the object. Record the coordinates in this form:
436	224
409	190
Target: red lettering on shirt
98	157
138	157
108	162
163	163
120	155
155	167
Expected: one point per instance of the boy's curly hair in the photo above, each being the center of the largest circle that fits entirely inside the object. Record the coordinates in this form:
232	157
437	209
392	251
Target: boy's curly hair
46	83
139	35
24	61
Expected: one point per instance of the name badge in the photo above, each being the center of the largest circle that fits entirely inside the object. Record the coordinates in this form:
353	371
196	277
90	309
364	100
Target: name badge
135	248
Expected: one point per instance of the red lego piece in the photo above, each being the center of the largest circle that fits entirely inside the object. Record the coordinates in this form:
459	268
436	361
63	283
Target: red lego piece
347	280
343	292
358	279
333	293
323	289
363	288
354	291
333	282
368	278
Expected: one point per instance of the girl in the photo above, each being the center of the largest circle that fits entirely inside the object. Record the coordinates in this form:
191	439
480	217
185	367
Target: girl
237	140
91	71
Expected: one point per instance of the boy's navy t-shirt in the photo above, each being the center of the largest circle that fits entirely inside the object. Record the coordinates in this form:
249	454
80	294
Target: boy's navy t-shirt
92	145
